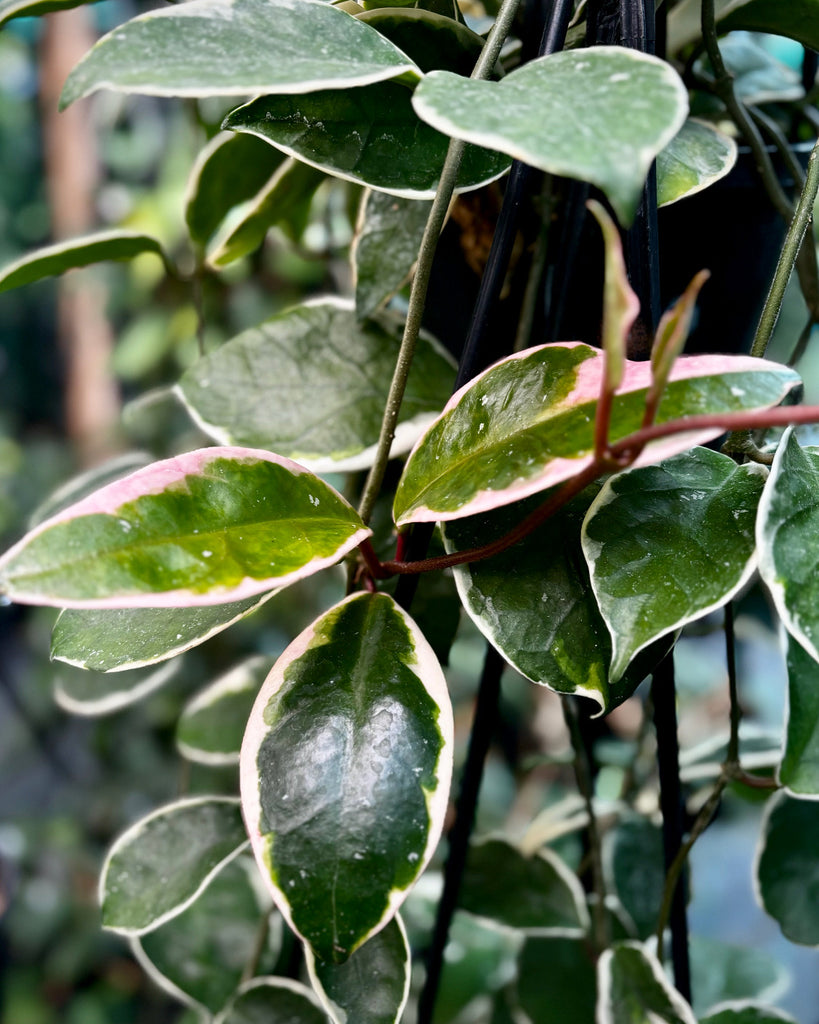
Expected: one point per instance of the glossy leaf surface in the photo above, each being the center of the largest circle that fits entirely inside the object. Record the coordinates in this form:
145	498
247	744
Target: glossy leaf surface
746	1012
236	47
787	533
230	170
116	639
534	602
200	955
272	1001
210	526
386	247
370	135
76	252
696	157
667	544
311	383
539	895
581	114
96	693
160	865
431	40
283	201
211	725
799	770
632	989
787	866
556	981
371	987
345	771
485	451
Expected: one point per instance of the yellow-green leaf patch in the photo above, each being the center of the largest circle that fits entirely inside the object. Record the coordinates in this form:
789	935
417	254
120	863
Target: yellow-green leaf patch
696	157
345	771
208	527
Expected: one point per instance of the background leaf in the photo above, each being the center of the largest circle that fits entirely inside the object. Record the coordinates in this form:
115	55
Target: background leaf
53	260
206	527
667	544
696	157
117	639
236	47
371	987
160	865
270	1001
81	692
580	113
311	384
369	135
211	725
721	972
797	19
556	981
345	771
746	1012
632	987
799	770
635	870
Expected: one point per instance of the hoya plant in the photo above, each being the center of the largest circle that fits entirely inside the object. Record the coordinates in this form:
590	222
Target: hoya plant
572	488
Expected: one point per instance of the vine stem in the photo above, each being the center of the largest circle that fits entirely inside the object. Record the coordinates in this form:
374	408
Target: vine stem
420	284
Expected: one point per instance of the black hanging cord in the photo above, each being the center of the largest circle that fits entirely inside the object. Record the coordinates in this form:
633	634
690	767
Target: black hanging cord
664	699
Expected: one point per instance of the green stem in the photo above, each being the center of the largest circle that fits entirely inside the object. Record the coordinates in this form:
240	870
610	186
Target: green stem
420	284
252	966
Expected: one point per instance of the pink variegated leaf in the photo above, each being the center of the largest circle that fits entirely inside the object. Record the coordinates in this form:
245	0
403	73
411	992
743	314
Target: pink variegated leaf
208	527
527	424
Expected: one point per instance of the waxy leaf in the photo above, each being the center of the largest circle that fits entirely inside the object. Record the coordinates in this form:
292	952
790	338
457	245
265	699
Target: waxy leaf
758	76
600	115
788	539
799	770
787	866
284	201
372	987
539	895
199	956
556	981
229	170
210	526
485	450
746	1012
385	247
76	252
159	866
797	19
272	1001
311	383
635	870
632	989
431	40
696	157
667	544
96	693
534	603
211	726
236	47
117	639
345	771
369	135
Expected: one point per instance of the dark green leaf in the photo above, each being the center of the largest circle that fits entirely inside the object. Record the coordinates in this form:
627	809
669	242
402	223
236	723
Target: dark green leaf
212	723
580	113
369	135
746	1012
236	47
634	990
159	866
77	252
345	771
431	40
556	981
787	867
311	384
371	987
229	170
799	770
667	544
635	869
386	247
272	1001
115	639
539	894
